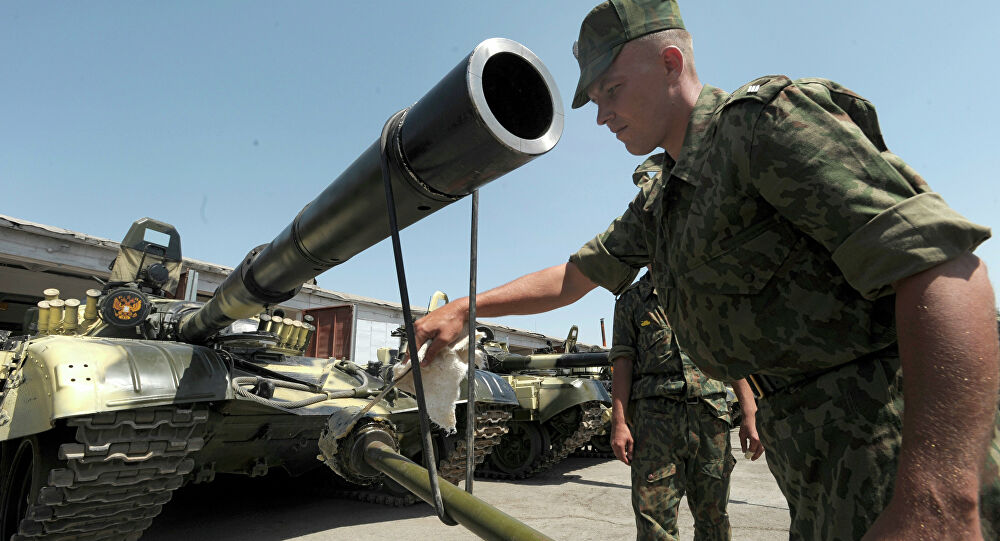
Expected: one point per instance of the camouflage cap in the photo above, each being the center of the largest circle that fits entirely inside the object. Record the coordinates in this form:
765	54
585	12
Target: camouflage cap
611	25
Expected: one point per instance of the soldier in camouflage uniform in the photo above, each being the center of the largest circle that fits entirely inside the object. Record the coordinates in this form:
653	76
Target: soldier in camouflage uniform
801	253
679	421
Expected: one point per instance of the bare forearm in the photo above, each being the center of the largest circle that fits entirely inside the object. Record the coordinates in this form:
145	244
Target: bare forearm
621	389
533	293
747	401
945	318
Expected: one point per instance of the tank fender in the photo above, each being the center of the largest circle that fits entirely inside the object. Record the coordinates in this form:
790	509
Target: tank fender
490	388
556	394
62	376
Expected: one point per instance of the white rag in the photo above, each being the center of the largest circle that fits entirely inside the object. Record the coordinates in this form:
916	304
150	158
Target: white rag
441	380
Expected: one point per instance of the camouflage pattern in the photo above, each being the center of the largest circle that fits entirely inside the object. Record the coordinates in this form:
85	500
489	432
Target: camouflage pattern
659	367
779	230
679	420
680	448
609	26
650	169
854	414
763	278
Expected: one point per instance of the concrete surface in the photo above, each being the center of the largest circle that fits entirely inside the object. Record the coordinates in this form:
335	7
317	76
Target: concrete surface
580	499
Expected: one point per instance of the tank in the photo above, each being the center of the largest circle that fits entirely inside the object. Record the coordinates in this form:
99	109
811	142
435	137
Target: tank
557	412
111	404
599	445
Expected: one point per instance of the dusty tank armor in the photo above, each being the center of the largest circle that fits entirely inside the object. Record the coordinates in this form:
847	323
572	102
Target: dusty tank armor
109	407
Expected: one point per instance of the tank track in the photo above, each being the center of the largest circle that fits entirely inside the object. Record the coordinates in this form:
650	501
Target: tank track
491	425
590	425
112	482
592	449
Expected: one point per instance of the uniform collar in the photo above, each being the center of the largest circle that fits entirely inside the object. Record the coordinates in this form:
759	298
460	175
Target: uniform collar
708	101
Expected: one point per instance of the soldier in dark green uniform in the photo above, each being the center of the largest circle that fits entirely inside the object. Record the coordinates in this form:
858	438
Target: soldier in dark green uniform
802	254
677	440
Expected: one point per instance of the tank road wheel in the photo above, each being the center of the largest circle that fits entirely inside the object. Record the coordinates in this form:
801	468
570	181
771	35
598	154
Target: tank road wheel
570	429
21	479
564	424
520	451
601	444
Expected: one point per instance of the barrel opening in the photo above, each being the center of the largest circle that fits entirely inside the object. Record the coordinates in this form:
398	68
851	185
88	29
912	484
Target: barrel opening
517	95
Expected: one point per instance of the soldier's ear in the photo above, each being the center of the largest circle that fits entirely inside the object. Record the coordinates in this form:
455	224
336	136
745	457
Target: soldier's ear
672	60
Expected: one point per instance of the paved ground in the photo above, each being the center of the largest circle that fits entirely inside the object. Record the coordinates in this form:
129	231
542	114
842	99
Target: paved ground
580	499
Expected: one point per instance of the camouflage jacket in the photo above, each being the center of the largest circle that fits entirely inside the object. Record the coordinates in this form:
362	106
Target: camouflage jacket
779	231
659	366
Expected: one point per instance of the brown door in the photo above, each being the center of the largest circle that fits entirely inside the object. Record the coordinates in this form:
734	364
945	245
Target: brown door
333	332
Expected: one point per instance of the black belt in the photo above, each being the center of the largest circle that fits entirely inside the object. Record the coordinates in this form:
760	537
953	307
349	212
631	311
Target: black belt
690	400
764	386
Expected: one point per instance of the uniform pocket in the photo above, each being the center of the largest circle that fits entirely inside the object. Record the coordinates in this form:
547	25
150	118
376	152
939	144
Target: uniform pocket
661	473
747	261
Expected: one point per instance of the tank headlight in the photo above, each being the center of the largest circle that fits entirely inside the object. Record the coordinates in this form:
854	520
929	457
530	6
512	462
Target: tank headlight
241	326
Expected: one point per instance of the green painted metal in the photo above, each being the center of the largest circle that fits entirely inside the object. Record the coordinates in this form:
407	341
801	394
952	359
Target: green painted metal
541	361
478	516
559	393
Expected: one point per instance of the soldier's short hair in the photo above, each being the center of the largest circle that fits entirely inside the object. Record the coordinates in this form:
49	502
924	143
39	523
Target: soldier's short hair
673	37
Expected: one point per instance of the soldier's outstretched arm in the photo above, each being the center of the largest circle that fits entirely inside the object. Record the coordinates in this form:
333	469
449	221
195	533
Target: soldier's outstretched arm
533	293
948	350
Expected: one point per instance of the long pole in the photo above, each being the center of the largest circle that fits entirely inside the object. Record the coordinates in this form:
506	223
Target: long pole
478	516
470	419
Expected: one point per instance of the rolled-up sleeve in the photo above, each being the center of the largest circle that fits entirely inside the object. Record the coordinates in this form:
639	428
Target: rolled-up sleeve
624	341
813	164
909	237
613	258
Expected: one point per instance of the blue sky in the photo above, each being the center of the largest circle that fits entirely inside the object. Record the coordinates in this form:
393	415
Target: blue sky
225	118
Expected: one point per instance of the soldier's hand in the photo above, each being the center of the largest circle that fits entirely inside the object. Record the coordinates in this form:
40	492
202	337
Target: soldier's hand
621	442
443	326
749	440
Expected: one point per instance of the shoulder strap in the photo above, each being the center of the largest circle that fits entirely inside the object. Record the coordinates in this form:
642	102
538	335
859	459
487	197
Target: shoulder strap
762	89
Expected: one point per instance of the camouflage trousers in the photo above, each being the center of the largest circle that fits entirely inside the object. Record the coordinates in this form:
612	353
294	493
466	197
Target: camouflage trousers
832	445
679	448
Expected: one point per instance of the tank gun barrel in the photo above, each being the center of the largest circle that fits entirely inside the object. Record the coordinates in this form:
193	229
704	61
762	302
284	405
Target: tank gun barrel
478	516
542	361
496	110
